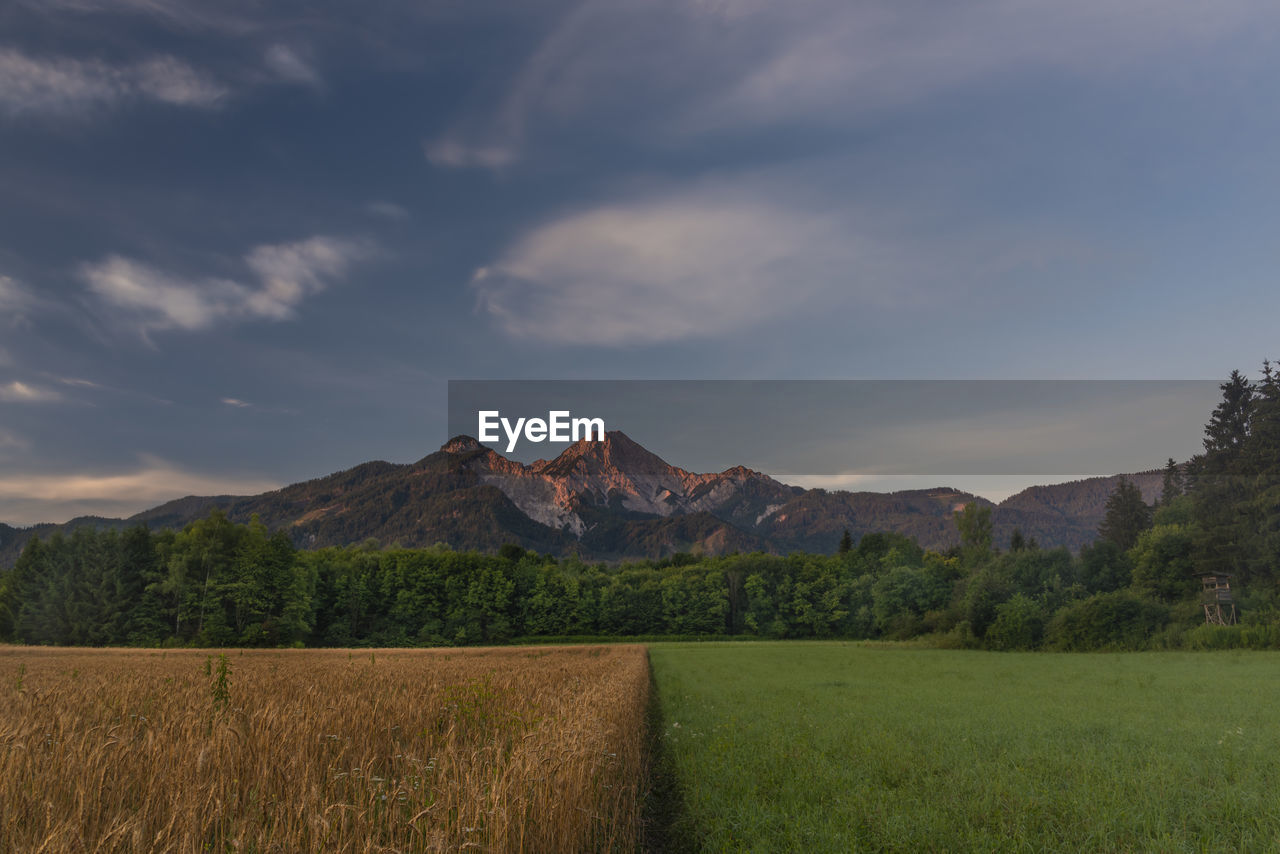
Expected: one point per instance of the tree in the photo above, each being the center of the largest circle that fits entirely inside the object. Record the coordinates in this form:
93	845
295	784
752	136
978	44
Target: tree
846	543
140	576
1162	562
1218	483
1016	541
1127	515
1258	466
1104	567
974	524
1228	427
1171	487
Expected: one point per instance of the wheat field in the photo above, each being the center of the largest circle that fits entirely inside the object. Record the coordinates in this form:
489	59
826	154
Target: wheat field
290	751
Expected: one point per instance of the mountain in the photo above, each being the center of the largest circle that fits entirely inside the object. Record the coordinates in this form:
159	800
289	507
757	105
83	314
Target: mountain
608	500
1067	514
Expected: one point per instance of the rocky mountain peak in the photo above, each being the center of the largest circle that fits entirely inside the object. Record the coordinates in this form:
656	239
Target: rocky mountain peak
617	453
461	445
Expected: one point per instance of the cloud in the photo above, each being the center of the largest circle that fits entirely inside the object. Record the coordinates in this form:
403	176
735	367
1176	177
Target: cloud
458	154
172	81
78	382
64	86
11	441
20	392
768	248
685	266
287	274
387	210
236	402
30	498
183	15
15	302
12	295
686	68
285	63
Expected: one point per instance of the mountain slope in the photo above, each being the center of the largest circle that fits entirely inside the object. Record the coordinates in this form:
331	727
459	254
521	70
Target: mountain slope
1066	514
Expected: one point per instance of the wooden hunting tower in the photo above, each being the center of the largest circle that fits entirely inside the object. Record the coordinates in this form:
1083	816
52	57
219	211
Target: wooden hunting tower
1219	608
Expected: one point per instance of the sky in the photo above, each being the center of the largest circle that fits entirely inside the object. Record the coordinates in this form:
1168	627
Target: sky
249	243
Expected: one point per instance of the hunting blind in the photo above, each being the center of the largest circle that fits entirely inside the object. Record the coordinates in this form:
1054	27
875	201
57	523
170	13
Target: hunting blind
1219	607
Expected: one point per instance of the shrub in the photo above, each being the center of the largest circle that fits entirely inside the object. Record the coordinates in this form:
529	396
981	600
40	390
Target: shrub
1019	624
1121	619
1233	637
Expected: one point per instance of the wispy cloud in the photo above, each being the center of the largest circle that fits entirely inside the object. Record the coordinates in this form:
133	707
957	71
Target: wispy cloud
236	402
16	304
30	498
690	265
77	382
287	273
732	66
456	152
287	65
66	86
11	441
387	210
12	295
20	392
761	249
184	15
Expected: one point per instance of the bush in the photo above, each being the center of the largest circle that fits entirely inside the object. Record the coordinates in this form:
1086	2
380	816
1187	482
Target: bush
1232	637
959	637
1107	621
1019	624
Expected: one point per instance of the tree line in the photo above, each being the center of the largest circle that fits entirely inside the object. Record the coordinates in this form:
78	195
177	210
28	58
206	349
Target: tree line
217	583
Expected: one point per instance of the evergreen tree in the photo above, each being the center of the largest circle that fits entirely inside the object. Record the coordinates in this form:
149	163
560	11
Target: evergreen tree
1258	467
24	589
1219	486
1171	487
1228	427
1016	541
846	543
145	621
1127	515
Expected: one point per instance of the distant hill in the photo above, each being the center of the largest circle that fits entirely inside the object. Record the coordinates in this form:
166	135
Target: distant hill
1066	514
609	500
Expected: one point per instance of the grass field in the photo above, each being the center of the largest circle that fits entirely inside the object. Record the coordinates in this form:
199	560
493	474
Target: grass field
427	750
841	747
762	747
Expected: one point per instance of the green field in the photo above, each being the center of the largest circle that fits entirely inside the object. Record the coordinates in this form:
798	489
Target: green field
842	747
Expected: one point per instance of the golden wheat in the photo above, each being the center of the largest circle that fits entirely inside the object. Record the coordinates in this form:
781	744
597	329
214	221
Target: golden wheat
537	750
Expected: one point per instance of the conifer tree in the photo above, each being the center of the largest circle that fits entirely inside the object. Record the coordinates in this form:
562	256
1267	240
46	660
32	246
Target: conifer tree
1127	515
1172	486
1259	470
846	543
1016	541
1219	484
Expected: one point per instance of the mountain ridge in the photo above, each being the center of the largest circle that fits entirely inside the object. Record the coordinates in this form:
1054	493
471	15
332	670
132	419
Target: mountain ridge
609	499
